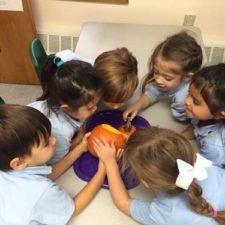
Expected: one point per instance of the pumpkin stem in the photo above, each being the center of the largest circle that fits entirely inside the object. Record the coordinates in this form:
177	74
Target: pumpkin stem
128	126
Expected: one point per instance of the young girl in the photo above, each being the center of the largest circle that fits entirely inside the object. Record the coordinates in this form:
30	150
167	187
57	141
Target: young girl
188	189
27	195
205	105
71	91
117	70
171	66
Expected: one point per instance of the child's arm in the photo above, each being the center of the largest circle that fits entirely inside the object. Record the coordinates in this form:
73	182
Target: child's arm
188	132
62	165
84	197
120	196
77	137
133	110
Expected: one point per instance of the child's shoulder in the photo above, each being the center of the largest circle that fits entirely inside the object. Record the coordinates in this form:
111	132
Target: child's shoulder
40	105
182	88
212	185
40	194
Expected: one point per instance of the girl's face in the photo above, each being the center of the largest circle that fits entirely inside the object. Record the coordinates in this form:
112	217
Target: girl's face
165	77
42	153
196	107
85	111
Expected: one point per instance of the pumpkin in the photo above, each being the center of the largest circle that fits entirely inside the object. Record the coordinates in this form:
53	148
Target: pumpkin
110	133
125	132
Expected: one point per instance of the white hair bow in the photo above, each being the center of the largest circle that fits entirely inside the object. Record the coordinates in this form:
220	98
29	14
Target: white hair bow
67	55
188	172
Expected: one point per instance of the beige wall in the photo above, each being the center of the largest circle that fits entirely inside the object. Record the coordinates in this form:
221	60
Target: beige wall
61	16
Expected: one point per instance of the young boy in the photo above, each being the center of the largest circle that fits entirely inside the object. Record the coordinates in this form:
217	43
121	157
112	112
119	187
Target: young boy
27	196
117	70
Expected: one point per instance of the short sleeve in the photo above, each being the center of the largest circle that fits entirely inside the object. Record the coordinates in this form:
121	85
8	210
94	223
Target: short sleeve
153	93
55	207
212	151
178	98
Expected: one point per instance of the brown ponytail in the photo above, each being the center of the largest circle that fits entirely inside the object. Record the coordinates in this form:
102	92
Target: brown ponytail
200	205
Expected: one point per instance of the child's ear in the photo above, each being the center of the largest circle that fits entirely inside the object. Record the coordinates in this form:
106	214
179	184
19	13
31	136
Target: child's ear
222	114
18	163
64	107
188	76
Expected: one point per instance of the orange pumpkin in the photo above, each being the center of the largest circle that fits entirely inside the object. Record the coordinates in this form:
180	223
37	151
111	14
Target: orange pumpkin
126	133
110	133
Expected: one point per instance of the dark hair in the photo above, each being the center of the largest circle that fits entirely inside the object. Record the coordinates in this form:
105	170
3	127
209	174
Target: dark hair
210	81
180	48
74	83
117	70
152	152
21	127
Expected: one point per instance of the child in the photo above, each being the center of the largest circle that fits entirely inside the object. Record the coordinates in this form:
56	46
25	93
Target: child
71	91
171	66
205	105
27	195
117	70
165	162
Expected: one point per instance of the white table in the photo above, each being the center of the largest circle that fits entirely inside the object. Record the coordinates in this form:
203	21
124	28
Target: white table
94	39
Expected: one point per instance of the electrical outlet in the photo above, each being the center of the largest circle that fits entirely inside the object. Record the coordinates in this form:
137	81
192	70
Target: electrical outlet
189	20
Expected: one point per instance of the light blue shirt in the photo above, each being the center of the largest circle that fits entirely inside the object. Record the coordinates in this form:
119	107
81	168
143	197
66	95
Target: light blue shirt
63	128
28	197
174	210
211	139
177	97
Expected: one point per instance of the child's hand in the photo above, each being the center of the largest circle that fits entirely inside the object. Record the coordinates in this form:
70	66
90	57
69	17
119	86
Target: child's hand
131	112
119	154
77	138
105	151
83	144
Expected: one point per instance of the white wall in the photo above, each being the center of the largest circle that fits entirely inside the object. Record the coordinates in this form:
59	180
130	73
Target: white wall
61	16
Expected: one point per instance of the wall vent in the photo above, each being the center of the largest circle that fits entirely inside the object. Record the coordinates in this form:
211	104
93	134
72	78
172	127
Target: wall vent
53	43
215	54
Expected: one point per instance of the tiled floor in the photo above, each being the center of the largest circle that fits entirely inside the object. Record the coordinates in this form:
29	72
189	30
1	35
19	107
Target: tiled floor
19	94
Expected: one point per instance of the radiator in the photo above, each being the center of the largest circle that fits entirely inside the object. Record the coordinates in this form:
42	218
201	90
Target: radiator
54	43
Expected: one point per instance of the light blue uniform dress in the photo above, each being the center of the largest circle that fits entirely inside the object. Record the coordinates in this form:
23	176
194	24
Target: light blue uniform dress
211	139
28	197
174	210
63	128
176	96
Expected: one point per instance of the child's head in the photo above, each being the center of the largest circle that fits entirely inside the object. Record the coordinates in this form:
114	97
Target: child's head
117	70
24	137
152	154
174	60
206	94
72	87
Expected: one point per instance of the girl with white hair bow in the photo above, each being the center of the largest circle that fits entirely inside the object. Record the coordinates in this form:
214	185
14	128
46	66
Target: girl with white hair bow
189	190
